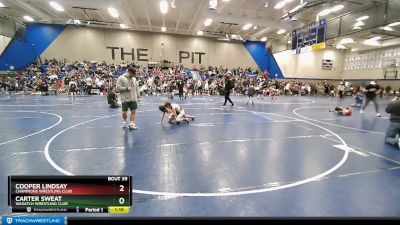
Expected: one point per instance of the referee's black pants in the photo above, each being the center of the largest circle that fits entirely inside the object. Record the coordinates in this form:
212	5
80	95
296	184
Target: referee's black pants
227	97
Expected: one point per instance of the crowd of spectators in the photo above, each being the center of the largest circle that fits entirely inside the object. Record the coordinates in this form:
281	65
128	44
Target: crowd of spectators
54	76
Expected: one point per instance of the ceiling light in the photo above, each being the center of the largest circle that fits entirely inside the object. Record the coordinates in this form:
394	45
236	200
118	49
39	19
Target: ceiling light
164	6
123	26
212	4
1	5
362	18
88	23
337	8
56	6
113	12
234	37
394	24
69	21
266	4
77	22
387	28
280	5
346	41
372	42
287	1
223	39
163	29
324	12
376	38
357	28
264	39
28	18
255	27
173	4
340	46
200	32
281	31
208	22
359	24
298	7
225	0
247	26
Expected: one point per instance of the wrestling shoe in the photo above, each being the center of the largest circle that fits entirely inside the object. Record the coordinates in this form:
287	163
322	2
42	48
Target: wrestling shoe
133	127
124	124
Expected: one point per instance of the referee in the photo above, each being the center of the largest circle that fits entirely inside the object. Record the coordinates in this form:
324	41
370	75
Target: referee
128	88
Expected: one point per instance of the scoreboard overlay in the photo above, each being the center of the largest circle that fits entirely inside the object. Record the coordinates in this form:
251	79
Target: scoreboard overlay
70	194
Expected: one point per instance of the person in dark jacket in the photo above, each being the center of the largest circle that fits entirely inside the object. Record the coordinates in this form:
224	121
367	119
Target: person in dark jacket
228	87
371	91
392	133
180	85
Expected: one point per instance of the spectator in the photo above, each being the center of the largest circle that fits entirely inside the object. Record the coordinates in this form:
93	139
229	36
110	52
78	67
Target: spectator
392	132
112	99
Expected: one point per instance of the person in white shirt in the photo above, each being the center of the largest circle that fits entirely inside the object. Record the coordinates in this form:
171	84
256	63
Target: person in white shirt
89	83
287	88
342	89
128	88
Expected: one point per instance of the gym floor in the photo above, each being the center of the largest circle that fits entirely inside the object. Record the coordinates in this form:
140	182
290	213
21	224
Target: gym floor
285	157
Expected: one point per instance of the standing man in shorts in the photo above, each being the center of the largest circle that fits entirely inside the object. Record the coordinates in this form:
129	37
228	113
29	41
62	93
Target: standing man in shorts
371	91
128	88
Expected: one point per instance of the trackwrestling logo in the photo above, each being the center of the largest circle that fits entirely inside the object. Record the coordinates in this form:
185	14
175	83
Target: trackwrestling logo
32	220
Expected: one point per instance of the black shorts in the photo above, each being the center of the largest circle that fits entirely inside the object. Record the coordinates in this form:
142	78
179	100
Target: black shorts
129	105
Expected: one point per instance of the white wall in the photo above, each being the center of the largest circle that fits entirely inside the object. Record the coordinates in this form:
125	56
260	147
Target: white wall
309	64
3	43
77	43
